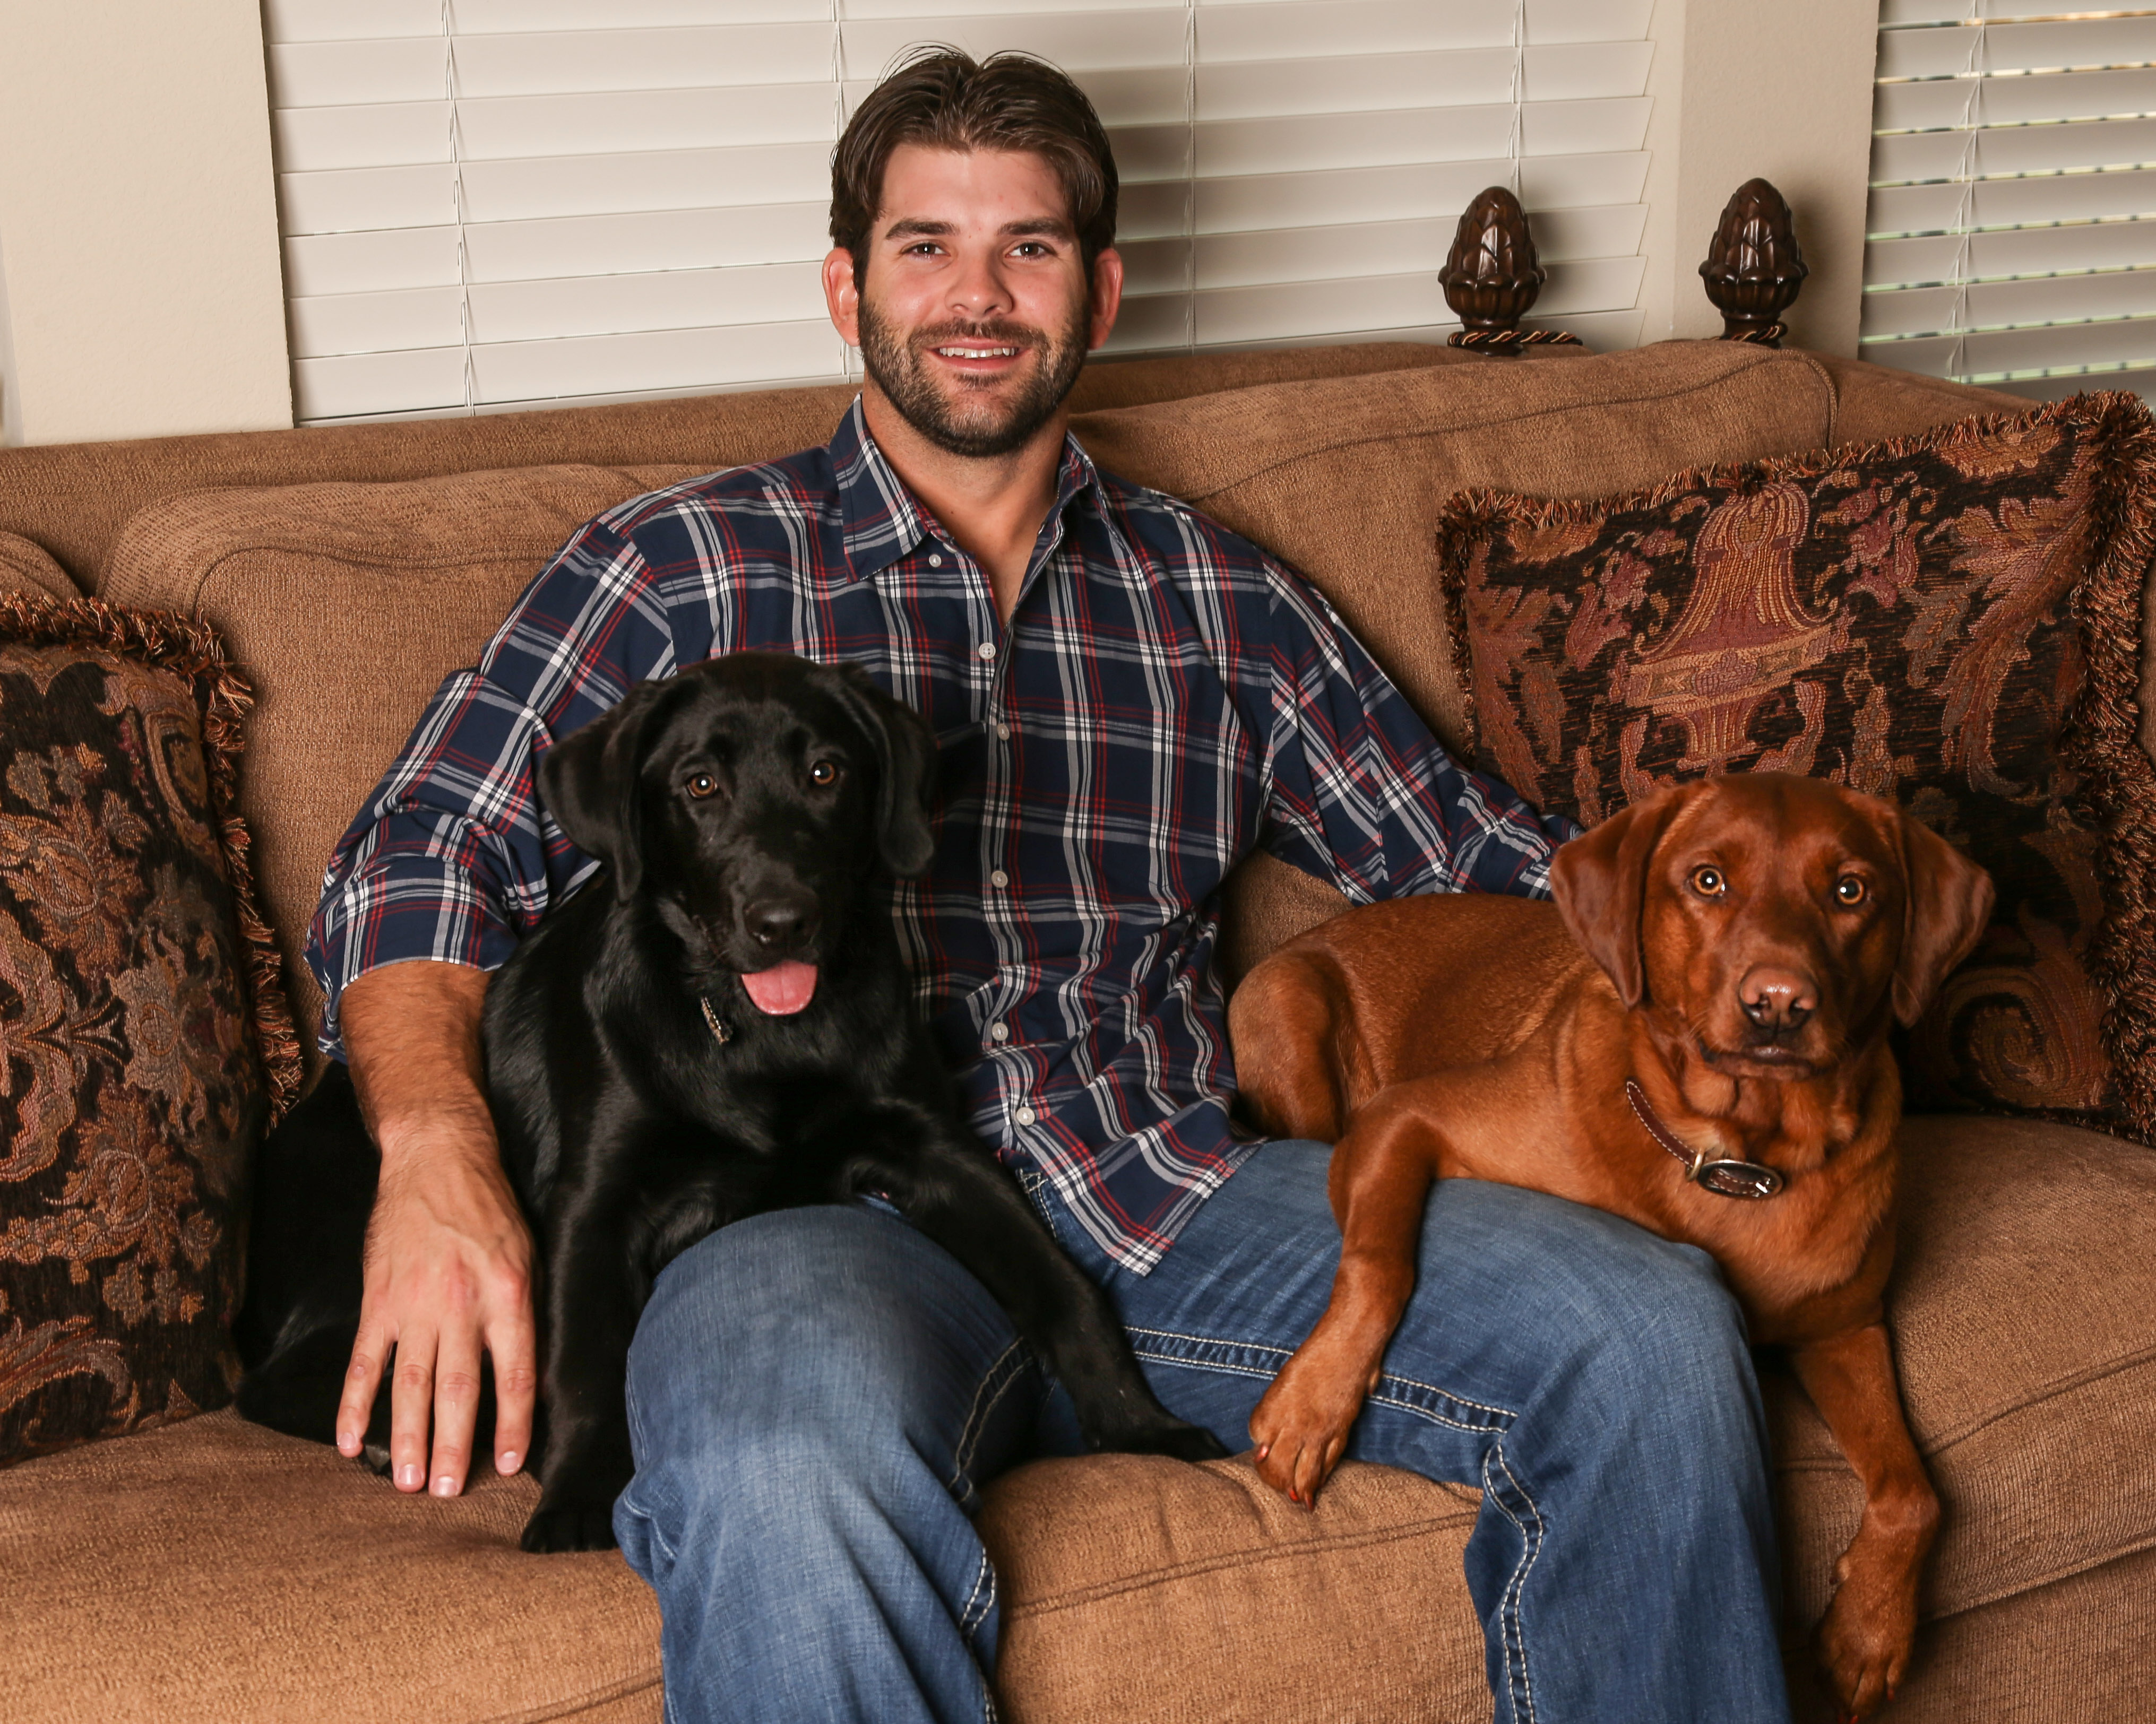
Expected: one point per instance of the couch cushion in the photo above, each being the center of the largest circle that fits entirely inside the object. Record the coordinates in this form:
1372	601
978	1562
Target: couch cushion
2020	1315
142	1034
219	1570
25	568
76	498
346	605
2021	1309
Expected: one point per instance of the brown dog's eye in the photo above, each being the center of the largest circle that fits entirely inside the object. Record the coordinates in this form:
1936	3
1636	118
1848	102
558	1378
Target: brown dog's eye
1849	891
1708	882
824	773
701	785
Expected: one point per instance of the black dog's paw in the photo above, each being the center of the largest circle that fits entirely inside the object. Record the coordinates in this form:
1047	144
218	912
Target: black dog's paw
1171	1437
375	1458
569	1527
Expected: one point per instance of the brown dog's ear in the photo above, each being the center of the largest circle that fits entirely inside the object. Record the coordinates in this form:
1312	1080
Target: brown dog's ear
1947	911
905	759
1599	881
589	782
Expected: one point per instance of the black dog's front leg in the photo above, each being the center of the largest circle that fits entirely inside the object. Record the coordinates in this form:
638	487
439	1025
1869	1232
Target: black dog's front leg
593	1298
951	1188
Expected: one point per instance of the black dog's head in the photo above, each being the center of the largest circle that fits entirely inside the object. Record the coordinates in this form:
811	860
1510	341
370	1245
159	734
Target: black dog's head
748	800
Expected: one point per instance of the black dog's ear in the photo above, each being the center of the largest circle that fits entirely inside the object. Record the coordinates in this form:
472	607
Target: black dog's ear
905	756
1599	881
588	782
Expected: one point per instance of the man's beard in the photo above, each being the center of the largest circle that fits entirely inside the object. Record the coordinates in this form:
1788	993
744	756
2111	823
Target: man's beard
977	427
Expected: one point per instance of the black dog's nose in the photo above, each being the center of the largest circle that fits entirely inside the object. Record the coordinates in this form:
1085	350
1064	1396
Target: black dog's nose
780	923
1776	1000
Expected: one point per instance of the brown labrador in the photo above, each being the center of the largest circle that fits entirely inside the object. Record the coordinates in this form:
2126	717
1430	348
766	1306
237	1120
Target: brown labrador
1694	1037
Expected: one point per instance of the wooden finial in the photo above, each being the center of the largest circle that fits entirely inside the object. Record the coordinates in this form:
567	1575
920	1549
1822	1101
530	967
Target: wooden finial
1753	270
1492	276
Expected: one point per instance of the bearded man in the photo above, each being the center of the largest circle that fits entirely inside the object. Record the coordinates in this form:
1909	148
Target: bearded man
1128	700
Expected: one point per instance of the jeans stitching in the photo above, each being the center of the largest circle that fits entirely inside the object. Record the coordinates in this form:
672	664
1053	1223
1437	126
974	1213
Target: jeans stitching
1008	1368
981	1600
1512	1611
1394	1390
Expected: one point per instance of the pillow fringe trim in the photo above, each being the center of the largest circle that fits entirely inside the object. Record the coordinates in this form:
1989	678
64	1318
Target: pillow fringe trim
190	648
2100	738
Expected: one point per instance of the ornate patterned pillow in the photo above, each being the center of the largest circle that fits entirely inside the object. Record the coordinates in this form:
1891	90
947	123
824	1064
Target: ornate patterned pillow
144	1040
1951	621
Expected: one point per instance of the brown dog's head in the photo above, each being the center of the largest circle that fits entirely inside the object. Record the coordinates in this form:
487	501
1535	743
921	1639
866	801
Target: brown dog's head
1770	918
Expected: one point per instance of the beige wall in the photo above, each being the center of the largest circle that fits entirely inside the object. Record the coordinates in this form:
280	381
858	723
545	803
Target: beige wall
141	290
1779	88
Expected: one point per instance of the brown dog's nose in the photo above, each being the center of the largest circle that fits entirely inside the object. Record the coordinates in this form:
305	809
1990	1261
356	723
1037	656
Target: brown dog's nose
1776	1000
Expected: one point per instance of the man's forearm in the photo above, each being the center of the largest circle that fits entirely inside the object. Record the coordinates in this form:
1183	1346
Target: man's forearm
412	1031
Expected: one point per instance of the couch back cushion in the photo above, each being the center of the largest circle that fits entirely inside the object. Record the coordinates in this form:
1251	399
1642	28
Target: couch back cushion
346	603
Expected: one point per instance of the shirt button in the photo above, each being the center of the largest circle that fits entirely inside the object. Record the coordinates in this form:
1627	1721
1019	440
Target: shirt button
935	559
1002	733
998	878
987	650
999	1032
1024	1116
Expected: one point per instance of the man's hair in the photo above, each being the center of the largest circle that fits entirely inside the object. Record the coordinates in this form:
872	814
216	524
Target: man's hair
945	99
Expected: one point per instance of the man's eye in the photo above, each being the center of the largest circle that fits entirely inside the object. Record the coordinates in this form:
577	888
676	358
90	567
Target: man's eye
701	785
1708	882
1849	890
824	772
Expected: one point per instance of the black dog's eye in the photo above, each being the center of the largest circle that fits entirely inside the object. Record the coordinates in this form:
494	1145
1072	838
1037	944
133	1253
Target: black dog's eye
701	785
1851	890
1708	882
824	773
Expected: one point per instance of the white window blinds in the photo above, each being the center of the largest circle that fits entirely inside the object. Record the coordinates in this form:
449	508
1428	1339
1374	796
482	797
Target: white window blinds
2013	208
494	203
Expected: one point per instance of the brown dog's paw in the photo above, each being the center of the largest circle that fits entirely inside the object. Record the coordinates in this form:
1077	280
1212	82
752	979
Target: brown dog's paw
1863	1643
1300	1427
569	1527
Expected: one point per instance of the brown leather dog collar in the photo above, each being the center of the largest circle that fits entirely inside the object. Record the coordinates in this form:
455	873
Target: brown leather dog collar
1724	1179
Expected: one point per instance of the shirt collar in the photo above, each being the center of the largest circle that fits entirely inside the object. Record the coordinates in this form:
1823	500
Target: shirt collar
881	520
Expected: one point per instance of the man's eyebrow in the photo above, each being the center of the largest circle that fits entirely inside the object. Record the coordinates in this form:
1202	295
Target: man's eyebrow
914	228
920	227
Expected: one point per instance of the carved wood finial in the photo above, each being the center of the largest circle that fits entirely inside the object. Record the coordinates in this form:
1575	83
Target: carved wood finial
1754	269
1492	277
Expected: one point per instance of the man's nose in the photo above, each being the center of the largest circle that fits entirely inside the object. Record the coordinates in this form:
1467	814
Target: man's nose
1777	999
979	289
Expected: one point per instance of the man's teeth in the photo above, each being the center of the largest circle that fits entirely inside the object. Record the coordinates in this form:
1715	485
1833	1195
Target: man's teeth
978	352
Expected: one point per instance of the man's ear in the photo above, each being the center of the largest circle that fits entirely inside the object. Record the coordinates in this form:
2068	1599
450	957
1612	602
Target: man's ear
906	767
591	782
1599	881
1947	907
1107	297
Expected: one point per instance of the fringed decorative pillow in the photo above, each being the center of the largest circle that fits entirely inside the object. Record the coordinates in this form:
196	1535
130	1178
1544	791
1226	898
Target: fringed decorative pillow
144	1038
1951	621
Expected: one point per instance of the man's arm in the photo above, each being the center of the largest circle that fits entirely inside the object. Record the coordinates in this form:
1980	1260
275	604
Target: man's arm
451	863
449	1258
1360	793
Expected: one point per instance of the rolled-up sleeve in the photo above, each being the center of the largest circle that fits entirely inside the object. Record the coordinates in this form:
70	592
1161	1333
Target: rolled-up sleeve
452	859
1361	794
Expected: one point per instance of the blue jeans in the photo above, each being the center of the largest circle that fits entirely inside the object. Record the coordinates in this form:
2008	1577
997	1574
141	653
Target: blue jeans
817	1396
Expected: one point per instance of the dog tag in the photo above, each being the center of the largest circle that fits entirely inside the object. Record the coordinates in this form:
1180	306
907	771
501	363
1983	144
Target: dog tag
1739	1179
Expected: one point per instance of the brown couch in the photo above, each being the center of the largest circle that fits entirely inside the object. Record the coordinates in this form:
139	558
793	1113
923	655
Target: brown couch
214	1570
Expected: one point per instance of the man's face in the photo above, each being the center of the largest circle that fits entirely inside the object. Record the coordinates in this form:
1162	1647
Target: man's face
974	312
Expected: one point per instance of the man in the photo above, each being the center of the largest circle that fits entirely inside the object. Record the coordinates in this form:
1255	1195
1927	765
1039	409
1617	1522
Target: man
1128	699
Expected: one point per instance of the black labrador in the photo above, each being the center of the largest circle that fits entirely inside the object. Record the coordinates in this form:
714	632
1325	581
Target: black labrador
719	1026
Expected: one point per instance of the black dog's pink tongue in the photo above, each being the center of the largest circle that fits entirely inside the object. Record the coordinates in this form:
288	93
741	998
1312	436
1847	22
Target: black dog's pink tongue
782	989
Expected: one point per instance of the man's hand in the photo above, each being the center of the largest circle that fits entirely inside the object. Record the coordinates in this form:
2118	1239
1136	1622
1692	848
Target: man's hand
449	1257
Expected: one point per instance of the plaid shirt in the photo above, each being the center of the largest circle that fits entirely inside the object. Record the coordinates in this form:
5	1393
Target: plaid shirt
1165	698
